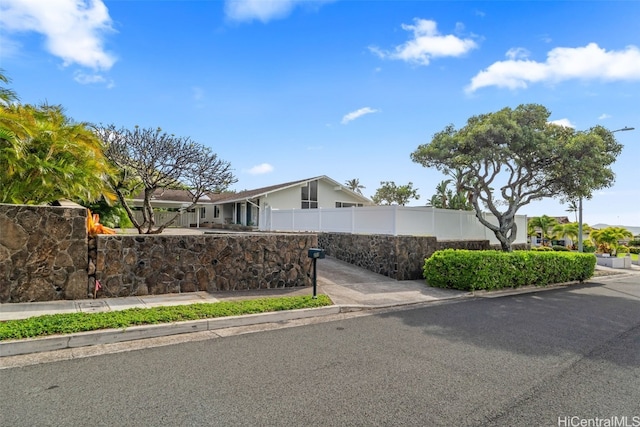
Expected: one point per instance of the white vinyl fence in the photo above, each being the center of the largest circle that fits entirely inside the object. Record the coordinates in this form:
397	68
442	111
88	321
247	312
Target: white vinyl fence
444	224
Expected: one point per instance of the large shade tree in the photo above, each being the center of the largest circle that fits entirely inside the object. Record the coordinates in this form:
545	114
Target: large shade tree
150	159
512	157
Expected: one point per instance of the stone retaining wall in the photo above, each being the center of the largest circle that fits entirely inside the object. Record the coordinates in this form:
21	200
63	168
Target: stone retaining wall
398	257
43	253
158	264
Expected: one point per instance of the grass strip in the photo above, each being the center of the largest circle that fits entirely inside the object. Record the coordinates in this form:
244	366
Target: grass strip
67	323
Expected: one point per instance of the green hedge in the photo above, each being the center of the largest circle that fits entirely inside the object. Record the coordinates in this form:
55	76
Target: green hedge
472	270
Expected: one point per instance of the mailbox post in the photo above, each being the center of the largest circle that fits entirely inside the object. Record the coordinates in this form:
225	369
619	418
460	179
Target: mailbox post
315	254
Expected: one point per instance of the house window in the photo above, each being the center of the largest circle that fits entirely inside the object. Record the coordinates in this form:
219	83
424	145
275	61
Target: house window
203	212
310	195
216	212
348	204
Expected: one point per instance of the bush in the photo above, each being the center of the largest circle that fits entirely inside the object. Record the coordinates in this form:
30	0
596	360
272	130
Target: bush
541	248
472	270
634	250
560	248
634	242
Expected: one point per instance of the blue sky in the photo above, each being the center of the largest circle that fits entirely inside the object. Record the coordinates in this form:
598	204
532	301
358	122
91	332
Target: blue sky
286	90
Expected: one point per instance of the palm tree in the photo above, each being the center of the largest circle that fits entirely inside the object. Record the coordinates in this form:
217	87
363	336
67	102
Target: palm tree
354	185
435	201
573	207
442	193
564	231
7	96
542	224
48	157
608	238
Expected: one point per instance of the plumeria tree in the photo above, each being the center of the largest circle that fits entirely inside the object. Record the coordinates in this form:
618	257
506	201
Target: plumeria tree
150	159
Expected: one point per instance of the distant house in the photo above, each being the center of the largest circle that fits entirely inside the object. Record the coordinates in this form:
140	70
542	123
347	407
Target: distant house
245	207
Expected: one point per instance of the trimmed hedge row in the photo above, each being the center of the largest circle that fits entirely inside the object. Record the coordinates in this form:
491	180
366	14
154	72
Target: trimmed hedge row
473	270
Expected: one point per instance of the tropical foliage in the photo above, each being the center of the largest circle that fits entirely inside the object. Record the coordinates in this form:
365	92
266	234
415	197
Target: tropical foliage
608	239
45	156
525	157
544	225
457	198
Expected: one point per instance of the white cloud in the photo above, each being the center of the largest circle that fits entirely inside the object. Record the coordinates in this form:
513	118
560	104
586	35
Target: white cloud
264	10
517	53
563	122
590	62
358	113
87	79
604	116
74	30
261	169
426	44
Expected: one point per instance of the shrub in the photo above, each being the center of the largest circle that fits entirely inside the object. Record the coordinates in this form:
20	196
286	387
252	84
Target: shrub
588	247
541	248
634	250
472	270
560	248
634	242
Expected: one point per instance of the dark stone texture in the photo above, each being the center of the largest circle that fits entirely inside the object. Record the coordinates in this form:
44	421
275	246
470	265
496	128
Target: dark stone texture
43	253
398	257
151	264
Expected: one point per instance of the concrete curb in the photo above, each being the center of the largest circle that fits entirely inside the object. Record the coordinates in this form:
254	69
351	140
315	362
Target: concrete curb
110	336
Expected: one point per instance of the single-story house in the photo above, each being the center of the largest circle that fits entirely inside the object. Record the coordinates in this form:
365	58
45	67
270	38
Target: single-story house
246	207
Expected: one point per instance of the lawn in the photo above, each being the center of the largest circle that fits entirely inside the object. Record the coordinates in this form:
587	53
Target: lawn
634	257
81	322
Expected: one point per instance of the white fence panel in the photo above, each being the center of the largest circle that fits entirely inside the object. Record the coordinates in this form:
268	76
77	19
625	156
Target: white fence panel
374	220
445	224
415	221
306	220
338	220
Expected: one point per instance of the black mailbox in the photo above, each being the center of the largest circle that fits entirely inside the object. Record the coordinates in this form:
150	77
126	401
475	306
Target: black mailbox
316	253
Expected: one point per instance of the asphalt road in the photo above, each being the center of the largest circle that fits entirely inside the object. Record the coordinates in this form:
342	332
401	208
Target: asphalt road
551	358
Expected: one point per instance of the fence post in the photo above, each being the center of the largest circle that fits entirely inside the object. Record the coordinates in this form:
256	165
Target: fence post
394	224
353	219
